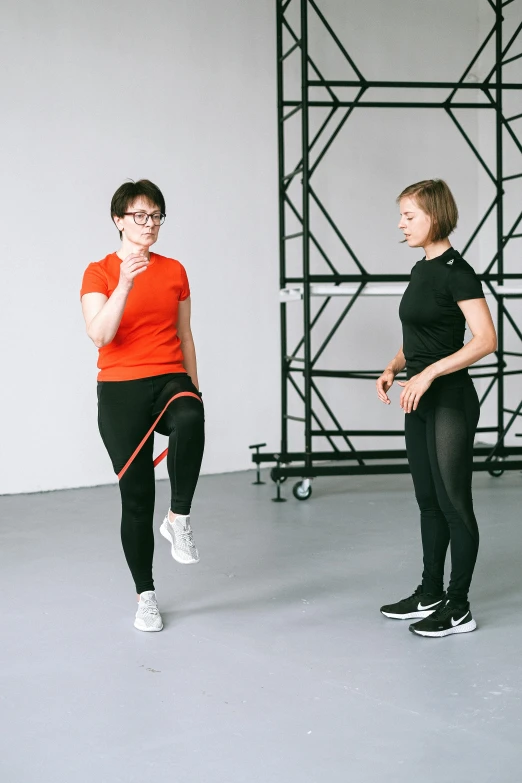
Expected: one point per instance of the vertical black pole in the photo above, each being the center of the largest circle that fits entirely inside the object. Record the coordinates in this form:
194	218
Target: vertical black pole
306	235
500	220
282	244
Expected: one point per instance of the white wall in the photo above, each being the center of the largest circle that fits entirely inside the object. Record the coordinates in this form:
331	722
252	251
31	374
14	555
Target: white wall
93	93
184	93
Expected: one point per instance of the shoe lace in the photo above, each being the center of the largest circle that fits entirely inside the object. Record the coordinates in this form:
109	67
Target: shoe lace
185	535
149	606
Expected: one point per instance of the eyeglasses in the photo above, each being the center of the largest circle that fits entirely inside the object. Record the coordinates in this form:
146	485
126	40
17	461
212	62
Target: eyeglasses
142	218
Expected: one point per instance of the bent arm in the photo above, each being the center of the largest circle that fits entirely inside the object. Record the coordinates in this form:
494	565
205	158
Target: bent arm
385	380
397	364
187	341
103	315
484	340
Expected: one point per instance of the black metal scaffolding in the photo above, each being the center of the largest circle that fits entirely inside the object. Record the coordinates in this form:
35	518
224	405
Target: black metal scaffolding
299	362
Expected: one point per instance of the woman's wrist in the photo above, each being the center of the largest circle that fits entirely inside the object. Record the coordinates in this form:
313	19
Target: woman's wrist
432	371
122	289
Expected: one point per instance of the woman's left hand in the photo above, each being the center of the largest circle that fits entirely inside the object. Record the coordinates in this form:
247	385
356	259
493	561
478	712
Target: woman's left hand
413	391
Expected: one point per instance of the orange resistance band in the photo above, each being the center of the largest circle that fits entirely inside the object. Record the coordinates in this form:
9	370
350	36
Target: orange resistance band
163	453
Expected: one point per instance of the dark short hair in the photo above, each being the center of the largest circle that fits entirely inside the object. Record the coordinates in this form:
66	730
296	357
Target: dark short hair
435	199
130	191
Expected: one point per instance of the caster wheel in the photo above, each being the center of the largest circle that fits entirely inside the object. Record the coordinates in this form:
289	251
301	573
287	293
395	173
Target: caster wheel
274	479
302	490
496	472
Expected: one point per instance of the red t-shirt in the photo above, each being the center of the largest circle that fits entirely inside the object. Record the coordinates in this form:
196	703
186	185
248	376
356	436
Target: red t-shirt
147	341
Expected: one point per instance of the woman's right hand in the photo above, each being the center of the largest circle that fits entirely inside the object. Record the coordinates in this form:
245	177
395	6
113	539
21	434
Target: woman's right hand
384	383
131	267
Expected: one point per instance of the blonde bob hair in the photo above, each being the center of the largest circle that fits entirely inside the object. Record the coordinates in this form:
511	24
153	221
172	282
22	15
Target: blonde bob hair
435	198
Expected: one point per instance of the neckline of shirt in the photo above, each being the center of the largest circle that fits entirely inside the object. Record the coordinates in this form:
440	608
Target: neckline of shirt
449	253
152	257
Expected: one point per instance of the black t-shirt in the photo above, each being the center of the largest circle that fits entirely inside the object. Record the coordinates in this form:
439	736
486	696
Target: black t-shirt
432	322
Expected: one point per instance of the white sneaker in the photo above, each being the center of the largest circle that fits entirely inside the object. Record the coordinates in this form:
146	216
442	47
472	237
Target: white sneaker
148	617
179	533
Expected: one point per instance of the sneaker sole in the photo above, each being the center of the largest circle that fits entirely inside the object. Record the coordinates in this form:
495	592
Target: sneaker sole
409	616
144	628
465	628
165	533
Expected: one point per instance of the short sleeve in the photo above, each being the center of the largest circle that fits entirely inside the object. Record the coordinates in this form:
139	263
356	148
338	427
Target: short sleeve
185	288
94	281
463	282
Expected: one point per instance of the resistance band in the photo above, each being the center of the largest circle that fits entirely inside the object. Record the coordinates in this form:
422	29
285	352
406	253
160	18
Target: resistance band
163	453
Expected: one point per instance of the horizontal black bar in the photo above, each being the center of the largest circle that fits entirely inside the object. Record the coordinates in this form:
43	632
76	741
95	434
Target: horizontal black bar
342	456
513	236
366	373
408	85
355	374
372	373
362	470
494	374
391	278
360	375
378	433
512	176
392	104
516	413
293	236
511	353
360	433
294	418
515	117
352	279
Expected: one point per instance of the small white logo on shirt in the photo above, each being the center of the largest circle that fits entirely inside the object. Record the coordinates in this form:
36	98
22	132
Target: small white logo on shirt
448	263
458	622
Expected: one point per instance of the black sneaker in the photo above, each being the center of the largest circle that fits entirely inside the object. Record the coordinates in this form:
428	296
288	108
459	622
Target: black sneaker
418	604
449	618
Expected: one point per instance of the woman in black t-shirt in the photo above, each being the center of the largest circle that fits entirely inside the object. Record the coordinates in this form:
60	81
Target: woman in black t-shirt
441	406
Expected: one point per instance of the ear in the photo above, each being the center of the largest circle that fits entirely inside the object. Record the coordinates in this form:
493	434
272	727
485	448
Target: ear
118	222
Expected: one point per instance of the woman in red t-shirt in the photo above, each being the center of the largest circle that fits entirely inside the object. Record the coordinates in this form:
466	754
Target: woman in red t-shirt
136	306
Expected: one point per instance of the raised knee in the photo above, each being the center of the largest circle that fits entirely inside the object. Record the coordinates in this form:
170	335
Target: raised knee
189	416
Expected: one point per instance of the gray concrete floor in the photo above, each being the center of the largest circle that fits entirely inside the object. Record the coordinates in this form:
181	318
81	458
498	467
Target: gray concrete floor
275	665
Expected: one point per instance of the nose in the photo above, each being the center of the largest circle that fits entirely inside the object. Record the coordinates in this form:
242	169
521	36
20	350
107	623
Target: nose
402	224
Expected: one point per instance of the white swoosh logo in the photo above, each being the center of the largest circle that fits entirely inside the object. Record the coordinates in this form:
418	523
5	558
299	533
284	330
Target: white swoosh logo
448	263
421	608
458	622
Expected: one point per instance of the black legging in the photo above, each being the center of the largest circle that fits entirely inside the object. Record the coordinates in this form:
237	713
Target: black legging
126	410
439	442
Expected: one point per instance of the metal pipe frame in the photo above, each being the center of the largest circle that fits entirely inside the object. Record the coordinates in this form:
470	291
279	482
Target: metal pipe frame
487	94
